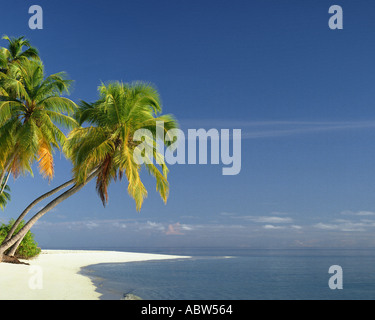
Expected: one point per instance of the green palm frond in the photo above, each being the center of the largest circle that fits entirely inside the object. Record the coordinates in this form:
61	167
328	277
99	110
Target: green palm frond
15	52
4	197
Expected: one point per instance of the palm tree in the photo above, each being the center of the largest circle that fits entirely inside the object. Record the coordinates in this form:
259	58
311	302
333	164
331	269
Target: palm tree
10	56
31	108
105	148
108	143
15	54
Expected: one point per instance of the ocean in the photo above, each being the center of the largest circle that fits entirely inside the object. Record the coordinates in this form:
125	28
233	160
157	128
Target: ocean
240	274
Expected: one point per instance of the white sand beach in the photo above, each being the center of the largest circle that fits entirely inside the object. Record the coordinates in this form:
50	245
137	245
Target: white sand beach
54	274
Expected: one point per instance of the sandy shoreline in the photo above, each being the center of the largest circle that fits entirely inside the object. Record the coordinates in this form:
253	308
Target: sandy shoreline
54	274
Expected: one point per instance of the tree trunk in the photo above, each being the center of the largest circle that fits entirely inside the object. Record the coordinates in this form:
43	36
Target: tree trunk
3	173
5	183
14	248
7	244
6	169
35	202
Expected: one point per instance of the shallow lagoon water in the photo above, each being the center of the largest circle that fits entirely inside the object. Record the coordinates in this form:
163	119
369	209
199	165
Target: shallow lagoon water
245	275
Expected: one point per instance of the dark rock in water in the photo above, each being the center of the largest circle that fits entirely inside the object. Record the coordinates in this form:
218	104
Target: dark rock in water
131	296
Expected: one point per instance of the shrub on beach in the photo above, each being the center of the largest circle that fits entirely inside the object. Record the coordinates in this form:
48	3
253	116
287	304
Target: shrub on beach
28	247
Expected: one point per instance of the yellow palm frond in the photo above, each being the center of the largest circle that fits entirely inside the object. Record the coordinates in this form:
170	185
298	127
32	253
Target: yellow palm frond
162	184
45	159
136	189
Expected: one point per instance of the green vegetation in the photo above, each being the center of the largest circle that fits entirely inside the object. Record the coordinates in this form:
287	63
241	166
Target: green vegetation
28	247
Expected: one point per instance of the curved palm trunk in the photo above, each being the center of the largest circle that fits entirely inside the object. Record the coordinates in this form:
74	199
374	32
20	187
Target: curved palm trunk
13	249
3	175
6	245
31	205
5	183
6	169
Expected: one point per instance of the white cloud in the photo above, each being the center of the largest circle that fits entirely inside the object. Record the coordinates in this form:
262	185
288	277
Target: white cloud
296	227
152	226
346	226
82	224
265	219
272	227
119	225
281	227
186	227
91	225
359	213
325	226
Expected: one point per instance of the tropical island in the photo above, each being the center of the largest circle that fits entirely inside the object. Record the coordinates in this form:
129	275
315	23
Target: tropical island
34	114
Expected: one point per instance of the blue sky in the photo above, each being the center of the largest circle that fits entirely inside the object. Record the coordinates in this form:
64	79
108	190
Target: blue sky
302	94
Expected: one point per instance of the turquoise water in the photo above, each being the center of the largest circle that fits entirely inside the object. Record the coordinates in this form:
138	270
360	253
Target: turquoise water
245	275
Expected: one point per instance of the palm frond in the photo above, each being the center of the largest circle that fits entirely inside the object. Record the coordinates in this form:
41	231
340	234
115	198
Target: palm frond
4	197
45	160
162	184
106	173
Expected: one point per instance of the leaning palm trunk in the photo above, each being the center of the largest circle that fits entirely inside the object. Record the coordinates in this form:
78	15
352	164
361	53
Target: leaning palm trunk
6	181
13	249
35	202
7	168
6	245
2	176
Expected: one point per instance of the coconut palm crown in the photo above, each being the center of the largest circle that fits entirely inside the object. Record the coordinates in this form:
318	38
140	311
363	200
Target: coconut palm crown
31	110
107	144
14	53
